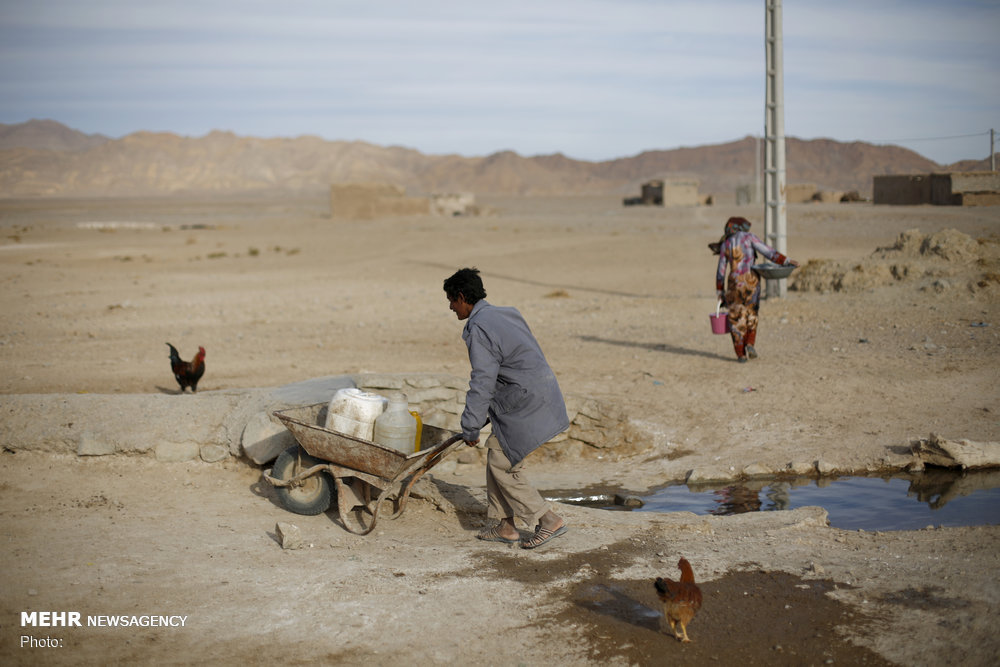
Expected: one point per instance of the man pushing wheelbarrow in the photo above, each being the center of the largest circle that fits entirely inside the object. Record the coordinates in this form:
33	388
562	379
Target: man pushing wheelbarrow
512	386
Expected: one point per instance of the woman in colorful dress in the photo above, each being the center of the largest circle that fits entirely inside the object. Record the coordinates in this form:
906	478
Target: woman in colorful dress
741	293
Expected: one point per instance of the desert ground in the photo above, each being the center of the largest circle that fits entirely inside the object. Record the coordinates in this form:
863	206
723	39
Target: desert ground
888	338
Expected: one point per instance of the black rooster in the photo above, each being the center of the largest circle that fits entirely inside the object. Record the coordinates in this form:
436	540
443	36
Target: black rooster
187	372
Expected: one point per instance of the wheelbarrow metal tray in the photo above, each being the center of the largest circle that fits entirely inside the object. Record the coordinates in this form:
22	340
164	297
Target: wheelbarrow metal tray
351	452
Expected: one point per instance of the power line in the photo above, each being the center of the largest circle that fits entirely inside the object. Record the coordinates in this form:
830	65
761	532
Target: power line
957	136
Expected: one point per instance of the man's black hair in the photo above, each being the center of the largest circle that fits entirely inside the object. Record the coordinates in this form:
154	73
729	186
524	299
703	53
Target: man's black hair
467	283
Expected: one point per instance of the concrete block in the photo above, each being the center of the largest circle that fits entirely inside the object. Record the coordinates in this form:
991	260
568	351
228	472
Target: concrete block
264	438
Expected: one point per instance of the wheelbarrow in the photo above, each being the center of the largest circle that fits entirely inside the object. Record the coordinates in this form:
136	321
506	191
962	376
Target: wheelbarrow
301	475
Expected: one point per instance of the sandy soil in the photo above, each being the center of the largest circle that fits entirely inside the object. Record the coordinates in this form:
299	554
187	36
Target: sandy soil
278	292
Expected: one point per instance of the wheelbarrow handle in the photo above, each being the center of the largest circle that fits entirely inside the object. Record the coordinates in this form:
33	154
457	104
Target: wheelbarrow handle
451	441
432	460
439	451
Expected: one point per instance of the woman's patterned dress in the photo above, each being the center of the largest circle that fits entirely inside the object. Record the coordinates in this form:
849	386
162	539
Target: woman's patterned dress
741	293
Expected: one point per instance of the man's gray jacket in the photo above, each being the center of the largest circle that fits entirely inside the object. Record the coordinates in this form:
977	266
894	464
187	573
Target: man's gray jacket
511	383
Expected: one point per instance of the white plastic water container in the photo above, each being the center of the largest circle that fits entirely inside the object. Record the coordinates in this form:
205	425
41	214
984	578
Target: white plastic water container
396	427
353	412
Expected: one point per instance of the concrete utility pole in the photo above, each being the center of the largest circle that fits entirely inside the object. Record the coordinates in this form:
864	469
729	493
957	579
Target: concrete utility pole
756	171
993	156
775	231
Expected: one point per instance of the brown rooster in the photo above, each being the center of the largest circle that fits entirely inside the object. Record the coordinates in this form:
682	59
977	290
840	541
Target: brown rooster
187	372
681	599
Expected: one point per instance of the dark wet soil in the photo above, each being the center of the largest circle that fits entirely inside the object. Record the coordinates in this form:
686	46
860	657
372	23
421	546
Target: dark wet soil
748	617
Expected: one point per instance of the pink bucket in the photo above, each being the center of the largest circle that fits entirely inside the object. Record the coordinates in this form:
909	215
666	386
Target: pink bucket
720	323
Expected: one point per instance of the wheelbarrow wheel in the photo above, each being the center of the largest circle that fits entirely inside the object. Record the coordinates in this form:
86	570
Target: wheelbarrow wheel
312	495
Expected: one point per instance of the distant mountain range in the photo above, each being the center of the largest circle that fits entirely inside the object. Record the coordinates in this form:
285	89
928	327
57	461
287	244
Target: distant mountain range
43	158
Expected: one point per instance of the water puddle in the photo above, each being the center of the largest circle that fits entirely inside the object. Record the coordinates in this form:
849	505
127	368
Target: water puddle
901	502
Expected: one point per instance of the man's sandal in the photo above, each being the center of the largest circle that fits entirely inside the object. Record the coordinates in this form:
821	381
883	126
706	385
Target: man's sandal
543	536
493	535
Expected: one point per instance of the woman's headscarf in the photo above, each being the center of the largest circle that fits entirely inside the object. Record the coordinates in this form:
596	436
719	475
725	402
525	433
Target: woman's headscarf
736	224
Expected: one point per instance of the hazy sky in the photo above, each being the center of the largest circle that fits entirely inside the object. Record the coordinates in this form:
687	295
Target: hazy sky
593	79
